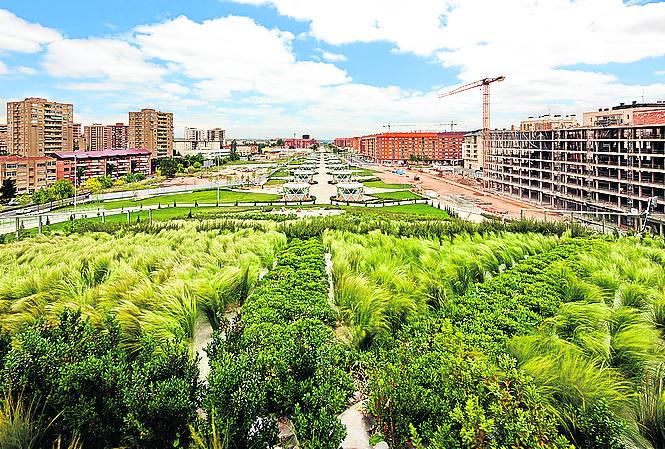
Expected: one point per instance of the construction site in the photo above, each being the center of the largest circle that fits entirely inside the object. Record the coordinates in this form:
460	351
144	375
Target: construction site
610	168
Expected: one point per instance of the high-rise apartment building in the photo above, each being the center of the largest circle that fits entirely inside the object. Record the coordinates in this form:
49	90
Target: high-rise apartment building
3	139
195	134
152	130
78	137
94	137
216	135
116	137
36	126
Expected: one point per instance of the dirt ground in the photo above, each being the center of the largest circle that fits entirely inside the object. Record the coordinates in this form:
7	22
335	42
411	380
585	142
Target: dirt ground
447	187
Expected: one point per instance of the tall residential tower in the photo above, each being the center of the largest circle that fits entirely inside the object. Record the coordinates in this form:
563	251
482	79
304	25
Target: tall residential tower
152	130
36	126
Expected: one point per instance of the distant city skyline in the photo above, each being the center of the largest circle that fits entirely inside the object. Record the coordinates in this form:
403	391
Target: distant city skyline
274	68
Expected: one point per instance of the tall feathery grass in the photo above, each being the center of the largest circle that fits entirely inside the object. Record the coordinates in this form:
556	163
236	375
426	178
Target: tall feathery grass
605	344
154	283
380	279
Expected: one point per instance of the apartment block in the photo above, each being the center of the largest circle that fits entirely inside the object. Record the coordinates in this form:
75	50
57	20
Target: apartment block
36	126
3	139
152	130
79	142
92	164
95	137
473	150
614	162
302	143
216	135
116	137
29	173
401	147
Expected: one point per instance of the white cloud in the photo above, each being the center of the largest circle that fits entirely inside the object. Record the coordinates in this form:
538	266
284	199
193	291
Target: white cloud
3	68
659	72
19	35
333	57
113	59
412	27
24	70
235	54
94	86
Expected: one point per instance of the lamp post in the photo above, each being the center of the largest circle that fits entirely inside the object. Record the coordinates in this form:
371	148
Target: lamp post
76	174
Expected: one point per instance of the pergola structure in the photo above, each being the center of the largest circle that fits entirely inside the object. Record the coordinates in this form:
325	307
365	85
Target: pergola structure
350	191
295	191
343	176
303	176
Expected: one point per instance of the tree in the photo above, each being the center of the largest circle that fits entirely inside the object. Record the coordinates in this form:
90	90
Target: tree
8	189
168	167
234	151
93	185
111	168
280	142
106	181
62	189
80	173
40	196
24	200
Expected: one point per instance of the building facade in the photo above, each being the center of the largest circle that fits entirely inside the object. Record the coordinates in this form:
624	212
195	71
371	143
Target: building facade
95	137
92	164
302	143
36	127
116	137
216	135
152	130
29	173
400	147
3	139
473	150
616	163
344	142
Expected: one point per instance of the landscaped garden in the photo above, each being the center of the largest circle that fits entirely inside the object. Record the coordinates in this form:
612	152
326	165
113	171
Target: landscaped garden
383	185
451	334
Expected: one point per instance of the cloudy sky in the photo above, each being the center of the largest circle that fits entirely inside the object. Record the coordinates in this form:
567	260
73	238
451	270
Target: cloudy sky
330	68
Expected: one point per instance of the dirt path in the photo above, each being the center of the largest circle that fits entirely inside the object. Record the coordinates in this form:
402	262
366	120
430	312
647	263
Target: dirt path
465	196
202	337
357	428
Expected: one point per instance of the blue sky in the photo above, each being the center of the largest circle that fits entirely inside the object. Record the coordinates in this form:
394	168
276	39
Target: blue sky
268	68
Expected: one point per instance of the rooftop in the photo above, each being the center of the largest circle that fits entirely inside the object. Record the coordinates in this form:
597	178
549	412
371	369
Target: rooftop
100	154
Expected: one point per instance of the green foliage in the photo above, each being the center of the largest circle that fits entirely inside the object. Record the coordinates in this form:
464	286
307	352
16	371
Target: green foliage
281	360
87	385
8	189
61	189
168	167
40	196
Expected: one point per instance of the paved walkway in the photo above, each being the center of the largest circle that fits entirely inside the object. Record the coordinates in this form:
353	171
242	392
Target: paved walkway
323	190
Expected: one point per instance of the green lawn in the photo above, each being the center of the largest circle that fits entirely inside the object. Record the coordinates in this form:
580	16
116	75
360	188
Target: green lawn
415	209
383	185
399	195
200	196
274	182
280	174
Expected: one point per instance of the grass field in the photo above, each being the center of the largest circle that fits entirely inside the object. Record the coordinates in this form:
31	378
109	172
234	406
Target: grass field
383	185
399	195
280	174
201	196
416	209
274	182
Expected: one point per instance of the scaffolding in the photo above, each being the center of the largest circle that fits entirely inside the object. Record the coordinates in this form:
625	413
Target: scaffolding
603	169
293	191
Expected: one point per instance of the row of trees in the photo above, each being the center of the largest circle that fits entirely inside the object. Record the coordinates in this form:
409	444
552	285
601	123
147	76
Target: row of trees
171	166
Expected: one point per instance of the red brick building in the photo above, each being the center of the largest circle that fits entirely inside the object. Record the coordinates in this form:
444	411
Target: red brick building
300	143
409	146
345	142
115	163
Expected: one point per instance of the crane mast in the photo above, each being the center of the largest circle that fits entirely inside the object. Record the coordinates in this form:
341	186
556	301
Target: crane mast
485	84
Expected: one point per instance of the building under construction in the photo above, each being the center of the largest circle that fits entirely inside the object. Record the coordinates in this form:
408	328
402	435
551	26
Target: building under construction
613	162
